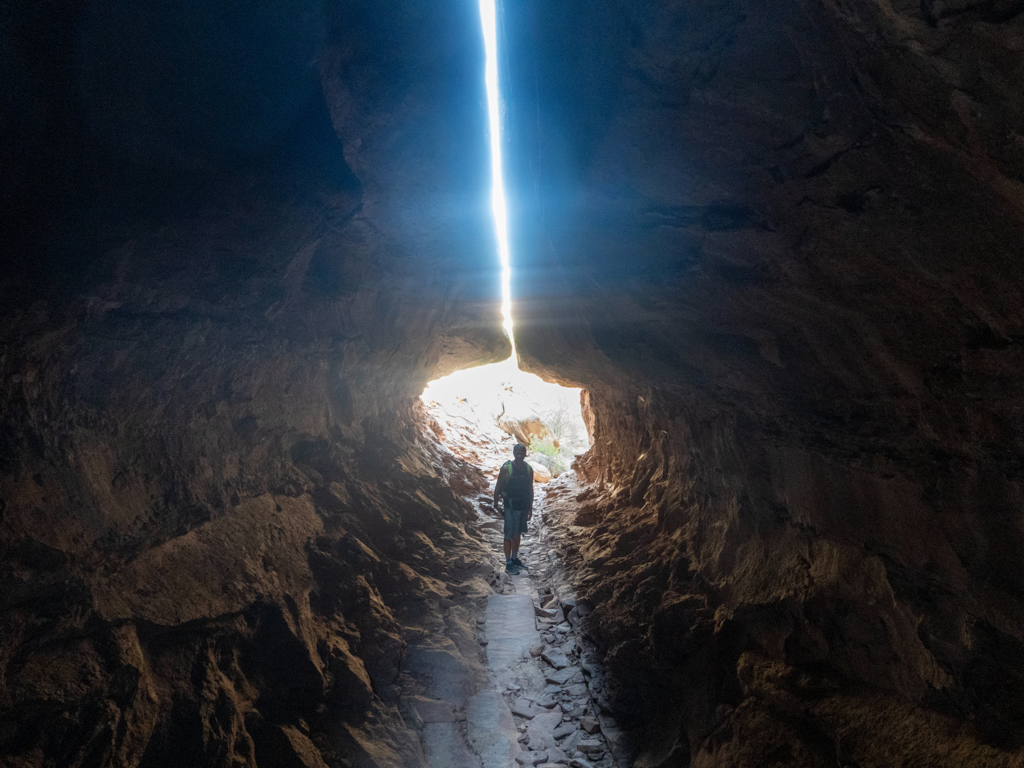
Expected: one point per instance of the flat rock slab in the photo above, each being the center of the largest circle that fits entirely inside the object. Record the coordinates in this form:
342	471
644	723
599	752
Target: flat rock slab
511	631
446	747
555	658
524	708
565	729
560	677
524	586
547	701
492	731
547	721
570	742
540	731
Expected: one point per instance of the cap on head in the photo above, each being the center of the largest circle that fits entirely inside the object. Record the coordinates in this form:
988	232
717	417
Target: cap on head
519	450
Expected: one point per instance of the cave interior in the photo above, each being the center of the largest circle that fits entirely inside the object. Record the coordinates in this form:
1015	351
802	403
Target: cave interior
778	246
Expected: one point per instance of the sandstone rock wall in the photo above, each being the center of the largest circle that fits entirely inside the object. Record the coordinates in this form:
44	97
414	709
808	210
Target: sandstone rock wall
216	509
780	247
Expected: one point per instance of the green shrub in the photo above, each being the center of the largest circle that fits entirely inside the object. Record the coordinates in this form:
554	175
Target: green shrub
545	452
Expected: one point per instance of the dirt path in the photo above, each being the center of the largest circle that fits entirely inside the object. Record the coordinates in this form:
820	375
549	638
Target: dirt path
526	689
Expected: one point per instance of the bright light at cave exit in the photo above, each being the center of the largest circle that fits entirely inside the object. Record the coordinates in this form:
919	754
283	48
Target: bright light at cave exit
489	20
498	394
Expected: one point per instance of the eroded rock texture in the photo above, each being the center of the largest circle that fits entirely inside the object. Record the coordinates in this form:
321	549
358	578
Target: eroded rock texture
780	245
241	239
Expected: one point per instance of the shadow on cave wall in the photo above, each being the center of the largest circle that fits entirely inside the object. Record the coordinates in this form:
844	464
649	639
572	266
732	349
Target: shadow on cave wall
768	241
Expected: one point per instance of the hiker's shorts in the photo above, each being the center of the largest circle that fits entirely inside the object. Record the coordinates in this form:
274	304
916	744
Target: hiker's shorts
515	521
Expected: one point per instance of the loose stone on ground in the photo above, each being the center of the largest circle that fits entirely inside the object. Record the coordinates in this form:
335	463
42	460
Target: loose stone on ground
532	705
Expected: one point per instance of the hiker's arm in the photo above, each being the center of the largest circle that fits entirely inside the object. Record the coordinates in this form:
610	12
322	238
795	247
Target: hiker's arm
502	477
532	475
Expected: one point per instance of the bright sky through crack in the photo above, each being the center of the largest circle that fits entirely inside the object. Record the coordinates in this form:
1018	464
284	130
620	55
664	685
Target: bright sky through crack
478	399
488	18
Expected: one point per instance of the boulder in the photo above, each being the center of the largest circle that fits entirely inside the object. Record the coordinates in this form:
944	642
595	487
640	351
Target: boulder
522	422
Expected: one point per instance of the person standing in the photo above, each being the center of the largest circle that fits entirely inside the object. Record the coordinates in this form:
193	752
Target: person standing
515	489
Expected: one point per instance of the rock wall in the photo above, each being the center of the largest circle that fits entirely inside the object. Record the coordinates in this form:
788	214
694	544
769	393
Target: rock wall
241	242
780	246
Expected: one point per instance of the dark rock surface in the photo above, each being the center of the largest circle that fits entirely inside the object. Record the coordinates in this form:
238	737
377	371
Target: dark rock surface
239	243
780	245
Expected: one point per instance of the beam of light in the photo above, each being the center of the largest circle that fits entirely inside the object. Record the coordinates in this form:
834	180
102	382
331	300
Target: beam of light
468	405
488	18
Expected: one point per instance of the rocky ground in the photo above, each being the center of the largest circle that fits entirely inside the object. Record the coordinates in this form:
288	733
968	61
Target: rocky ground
528	689
502	674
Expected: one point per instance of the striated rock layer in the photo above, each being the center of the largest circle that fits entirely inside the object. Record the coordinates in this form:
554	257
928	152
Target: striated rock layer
780	246
240	243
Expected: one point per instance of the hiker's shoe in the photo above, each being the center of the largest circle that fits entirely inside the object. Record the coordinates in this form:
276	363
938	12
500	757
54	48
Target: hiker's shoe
517	562
511	568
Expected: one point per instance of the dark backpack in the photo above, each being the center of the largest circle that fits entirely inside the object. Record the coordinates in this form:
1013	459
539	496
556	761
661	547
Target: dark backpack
518	486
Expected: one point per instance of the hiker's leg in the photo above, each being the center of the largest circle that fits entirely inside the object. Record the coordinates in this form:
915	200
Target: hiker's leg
510	530
514	543
521	522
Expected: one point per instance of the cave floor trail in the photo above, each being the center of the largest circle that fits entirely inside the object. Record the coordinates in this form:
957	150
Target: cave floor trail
534	693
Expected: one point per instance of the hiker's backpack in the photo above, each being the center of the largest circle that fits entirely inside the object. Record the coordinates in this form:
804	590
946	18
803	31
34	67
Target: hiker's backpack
518	485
